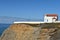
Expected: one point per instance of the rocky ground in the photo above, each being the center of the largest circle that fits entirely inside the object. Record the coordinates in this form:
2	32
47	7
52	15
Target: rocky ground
31	32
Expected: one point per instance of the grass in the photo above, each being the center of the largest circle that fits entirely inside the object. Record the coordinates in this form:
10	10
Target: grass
51	25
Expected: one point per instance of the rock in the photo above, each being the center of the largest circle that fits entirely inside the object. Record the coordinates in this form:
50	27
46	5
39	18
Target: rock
21	32
30	32
56	36
8	35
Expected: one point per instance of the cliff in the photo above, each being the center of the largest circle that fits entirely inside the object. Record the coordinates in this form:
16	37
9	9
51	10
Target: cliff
32	32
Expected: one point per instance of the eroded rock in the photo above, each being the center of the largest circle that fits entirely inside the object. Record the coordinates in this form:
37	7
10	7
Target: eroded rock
28	32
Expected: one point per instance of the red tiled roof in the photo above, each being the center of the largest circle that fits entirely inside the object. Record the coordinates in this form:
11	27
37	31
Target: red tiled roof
51	15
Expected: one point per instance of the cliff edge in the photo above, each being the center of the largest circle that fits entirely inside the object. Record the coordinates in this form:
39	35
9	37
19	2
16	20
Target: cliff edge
31	32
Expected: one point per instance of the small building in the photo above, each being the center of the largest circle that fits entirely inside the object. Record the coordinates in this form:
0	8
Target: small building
50	18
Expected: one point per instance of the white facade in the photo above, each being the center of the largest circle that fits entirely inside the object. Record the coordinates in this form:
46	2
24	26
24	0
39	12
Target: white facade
50	18
30	22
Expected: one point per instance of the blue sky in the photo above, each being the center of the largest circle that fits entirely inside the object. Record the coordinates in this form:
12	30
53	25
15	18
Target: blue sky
30	9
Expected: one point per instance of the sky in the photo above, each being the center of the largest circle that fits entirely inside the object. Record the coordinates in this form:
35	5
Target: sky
29	9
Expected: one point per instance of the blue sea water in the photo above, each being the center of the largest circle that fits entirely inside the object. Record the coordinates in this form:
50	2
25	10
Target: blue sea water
3	27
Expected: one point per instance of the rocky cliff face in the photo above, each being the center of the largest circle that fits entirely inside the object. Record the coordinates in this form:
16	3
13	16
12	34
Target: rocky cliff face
30	32
21	32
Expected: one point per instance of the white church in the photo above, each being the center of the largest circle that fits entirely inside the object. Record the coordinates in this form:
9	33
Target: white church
48	18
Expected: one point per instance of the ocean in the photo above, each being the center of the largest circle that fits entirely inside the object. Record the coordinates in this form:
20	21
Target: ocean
3	26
